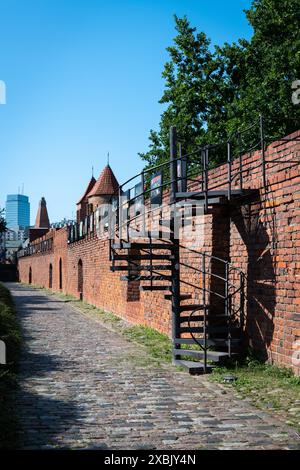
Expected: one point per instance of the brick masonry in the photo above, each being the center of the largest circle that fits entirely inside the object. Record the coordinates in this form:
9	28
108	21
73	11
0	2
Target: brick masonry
260	236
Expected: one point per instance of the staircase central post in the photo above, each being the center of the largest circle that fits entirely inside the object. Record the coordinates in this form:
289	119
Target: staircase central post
143	203
204	295
173	164
120	209
229	169
263	152
205	156
174	239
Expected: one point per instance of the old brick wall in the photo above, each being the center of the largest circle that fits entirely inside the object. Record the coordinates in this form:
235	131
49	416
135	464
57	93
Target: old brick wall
260	235
39	263
101	287
265	240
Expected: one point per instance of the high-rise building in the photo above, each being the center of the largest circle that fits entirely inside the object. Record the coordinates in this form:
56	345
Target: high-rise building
17	211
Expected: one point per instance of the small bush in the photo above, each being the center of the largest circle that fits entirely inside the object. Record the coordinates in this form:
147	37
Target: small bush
10	334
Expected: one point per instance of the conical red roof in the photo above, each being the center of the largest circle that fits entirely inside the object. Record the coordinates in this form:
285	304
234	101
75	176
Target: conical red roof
106	184
42	219
88	189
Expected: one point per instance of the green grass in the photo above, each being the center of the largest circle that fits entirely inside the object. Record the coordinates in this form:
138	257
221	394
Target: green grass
158	345
10	334
268	387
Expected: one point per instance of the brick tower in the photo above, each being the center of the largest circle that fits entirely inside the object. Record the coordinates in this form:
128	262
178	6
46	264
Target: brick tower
42	219
105	187
83	203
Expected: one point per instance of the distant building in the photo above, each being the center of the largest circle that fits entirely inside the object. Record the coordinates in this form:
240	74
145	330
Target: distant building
42	218
17	211
13	240
16	234
11	249
42	223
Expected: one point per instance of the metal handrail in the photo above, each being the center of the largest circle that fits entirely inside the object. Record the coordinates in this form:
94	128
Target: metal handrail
232	289
212	257
230	312
203	177
188	155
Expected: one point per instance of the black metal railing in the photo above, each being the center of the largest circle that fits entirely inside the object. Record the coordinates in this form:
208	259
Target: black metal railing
231	293
135	200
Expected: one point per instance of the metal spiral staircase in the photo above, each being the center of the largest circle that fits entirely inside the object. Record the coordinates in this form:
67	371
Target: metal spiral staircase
207	319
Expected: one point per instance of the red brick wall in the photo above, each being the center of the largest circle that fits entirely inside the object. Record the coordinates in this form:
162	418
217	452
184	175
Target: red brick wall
263	240
40	262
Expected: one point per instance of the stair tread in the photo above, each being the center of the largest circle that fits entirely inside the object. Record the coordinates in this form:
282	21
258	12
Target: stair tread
151	288
156	278
133	257
192	365
194	318
130	278
208	316
210	202
210	342
210	194
146	278
192	329
142	268
120	246
188	308
195	353
182	297
142	245
209	329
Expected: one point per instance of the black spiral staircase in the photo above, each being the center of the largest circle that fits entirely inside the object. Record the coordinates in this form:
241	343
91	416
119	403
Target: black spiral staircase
201	336
208	320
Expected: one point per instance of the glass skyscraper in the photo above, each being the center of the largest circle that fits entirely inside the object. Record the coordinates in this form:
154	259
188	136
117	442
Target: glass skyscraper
17	211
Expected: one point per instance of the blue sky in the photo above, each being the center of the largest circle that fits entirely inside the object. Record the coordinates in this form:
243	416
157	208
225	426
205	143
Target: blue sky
83	78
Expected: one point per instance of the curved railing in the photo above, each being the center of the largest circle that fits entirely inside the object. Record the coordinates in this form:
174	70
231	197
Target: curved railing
189	168
234	315
180	176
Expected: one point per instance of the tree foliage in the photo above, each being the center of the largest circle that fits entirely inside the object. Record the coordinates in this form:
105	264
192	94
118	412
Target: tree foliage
210	92
2	222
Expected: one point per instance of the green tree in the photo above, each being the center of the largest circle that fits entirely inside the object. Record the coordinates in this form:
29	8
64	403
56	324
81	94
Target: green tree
2	222
261	71
210	93
185	93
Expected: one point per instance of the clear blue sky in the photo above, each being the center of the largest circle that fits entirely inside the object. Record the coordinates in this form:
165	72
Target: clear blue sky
83	77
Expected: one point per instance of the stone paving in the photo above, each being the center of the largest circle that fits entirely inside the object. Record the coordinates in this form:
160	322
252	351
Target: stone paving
84	386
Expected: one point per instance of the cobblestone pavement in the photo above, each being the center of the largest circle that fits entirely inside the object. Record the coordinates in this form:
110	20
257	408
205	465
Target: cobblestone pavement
84	386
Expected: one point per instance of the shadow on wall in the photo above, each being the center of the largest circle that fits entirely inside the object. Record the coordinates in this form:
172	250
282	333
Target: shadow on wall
261	272
220	249
133	287
80	279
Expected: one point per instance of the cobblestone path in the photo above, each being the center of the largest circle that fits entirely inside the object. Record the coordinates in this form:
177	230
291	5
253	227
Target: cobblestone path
84	386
